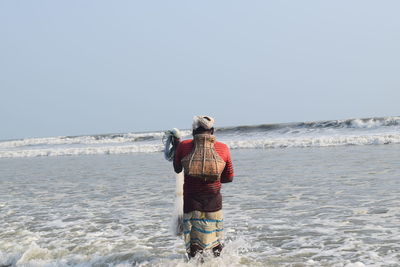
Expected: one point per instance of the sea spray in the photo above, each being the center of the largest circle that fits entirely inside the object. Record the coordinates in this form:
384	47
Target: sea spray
236	253
177	216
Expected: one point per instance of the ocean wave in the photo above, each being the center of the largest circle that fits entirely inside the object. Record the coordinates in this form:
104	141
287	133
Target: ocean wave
258	143
365	123
24	153
85	140
321	141
305	134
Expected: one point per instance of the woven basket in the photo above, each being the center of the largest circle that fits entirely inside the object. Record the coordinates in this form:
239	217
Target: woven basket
203	162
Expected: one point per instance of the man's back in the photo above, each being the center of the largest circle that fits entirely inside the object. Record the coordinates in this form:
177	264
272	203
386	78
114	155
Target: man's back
198	193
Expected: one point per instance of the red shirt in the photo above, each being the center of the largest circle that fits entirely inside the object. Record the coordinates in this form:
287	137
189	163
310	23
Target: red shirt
199	194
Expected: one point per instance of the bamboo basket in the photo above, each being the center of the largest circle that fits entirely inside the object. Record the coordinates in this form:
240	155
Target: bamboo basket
204	162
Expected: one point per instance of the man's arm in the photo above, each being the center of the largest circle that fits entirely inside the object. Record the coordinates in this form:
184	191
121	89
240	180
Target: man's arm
177	159
227	174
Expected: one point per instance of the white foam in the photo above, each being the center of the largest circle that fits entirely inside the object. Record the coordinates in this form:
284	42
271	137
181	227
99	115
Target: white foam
355	264
231	256
361	132
88	140
374	123
316	141
147	148
36	253
233	143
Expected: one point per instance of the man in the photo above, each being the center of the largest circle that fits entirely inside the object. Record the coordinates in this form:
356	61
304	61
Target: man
206	164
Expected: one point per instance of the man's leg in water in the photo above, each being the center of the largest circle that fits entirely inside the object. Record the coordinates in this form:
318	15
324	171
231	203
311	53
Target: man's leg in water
194	249
217	250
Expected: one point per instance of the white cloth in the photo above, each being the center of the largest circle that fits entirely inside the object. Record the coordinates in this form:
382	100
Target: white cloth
206	122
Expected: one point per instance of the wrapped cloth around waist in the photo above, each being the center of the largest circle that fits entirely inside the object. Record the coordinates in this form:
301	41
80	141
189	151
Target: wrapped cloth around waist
204	229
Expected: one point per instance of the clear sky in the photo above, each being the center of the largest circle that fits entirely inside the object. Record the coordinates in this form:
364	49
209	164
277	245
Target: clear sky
86	67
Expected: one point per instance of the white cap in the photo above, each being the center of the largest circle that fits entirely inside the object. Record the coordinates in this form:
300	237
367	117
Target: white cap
206	122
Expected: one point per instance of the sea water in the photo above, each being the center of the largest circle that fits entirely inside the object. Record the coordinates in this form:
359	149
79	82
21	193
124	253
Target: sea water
304	194
370	131
324	206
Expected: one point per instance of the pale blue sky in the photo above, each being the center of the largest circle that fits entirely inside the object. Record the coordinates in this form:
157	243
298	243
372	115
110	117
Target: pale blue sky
87	67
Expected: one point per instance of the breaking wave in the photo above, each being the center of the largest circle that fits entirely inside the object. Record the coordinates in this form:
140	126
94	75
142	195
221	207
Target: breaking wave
366	123
370	131
88	140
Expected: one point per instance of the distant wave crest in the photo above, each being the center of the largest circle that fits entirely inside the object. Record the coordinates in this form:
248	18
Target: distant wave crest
81	151
372	131
88	140
366	123
323	141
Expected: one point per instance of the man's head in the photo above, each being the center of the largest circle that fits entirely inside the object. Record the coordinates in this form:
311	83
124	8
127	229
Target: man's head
203	124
